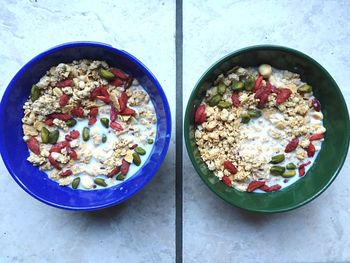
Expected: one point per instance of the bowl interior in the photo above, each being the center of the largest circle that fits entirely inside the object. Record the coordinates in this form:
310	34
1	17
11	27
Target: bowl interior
14	151
336	121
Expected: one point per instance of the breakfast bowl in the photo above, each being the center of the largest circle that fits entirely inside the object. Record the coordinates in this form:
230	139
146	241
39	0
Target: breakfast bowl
15	152
327	163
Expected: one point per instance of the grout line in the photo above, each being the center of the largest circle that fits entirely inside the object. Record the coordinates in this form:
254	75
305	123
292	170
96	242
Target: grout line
179	138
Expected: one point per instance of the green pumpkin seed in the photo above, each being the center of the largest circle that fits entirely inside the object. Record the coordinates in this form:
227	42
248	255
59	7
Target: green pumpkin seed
291	166
305	88
224	104
105	122
254	113
104	138
34	93
289	173
53	136
277	170
86	134
71	123
249	83
221	89
237	85
245	118
214	100
150	141
45	135
140	150
76	183
121	177
277	158
136	159
100	182
106	74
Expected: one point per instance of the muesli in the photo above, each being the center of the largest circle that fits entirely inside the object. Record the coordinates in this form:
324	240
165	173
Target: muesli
88	125
259	129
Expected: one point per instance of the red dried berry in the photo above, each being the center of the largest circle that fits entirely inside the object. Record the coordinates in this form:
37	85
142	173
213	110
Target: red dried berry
263	99
283	95
49	122
123	100
64	83
316	104
301	168
67	138
104	91
74	134
92	121
124	169
54	163
72	153
119	74
94	93
271	188
292	145
253	185
128	82
63	100
117	82
315	137
65	173
133	147
226	180
229	166
113	114
106	100
60	116
114	172
33	145
127	112
200	115
258	83
235	99
58	147
116	126
93	112
77	112
311	150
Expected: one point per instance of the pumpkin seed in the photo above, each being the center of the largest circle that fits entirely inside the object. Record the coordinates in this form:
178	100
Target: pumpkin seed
291	166
237	85
53	136
245	118
120	177
104	138
289	173
76	183
86	134
150	141
214	100
249	83
224	104
71	123
106	74
136	159
100	182
34	93
221	89
277	170
277	158
45	135
254	113
105	122
140	150
305	88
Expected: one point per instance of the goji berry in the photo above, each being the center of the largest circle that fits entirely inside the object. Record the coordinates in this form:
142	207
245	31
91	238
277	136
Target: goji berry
283	95
127	112
33	145
116	126
271	188
229	166
60	116
235	99
315	137
93	112
128	82
74	134
316	104
253	185
117	82
114	172
311	150
133	146
63	100
258	82
65	173
113	113
104	92
58	146
77	112
226	180
106	100
92	121
301	168
119	74
49	122
71	152
123	100
200	115
64	83
124	169
292	145
54	163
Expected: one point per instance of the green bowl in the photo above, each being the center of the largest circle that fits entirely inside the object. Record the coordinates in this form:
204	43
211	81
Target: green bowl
336	120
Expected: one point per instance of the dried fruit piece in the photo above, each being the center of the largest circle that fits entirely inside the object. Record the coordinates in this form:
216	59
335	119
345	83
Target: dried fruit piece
34	93
92	121
136	159
128	82
65	173
86	134
132	147
72	153
116	126
127	112
119	74
258	83
311	150
292	145
315	137
301	168
93	112
77	112
63	100
200	115
124	169
64	83
44	135
105	99
271	188
100	182
305	88
33	145
277	159
123	100
235	99
74	134
283	95
60	116
49	122
104	122
53	136
117	82
277	170
140	150
76	183
229	166
54	163
316	104
71	122
253	185
113	114
113	172
227	181
106	74
58	146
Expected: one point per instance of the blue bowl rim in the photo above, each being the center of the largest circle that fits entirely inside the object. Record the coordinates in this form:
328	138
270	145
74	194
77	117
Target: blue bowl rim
135	61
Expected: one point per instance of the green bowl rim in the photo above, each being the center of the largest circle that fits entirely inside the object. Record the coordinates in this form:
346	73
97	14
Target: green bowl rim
238	52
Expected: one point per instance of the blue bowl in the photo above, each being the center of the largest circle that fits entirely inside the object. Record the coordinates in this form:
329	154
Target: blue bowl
15	152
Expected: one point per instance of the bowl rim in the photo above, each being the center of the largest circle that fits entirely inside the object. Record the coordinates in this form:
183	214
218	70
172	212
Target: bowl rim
233	54
133	59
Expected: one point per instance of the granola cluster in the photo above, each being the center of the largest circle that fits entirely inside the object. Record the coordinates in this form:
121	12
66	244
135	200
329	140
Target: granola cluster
85	118
251	115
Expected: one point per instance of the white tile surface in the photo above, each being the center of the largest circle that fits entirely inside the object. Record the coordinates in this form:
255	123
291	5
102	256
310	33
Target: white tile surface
139	230
213	230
